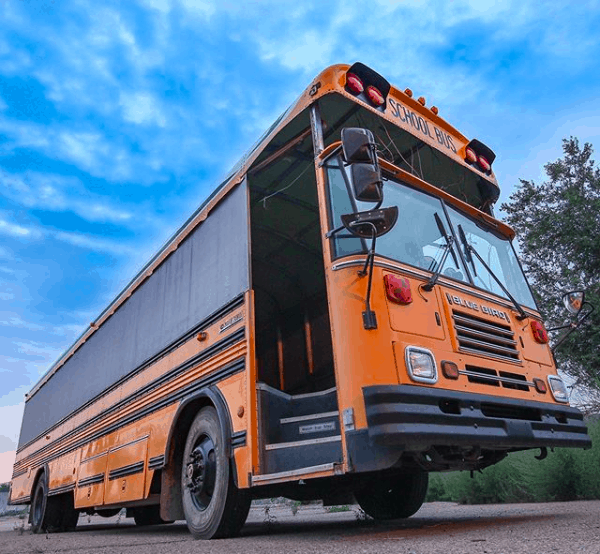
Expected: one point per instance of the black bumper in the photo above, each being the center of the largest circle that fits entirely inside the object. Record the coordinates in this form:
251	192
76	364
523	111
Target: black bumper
414	418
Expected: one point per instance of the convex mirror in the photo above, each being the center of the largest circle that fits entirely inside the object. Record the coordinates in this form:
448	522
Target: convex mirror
574	301
362	224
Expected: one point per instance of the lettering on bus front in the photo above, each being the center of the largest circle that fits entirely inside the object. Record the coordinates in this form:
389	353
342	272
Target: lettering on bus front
418	123
477	307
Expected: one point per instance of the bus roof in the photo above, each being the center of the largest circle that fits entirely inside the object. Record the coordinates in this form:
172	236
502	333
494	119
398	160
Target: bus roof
401	110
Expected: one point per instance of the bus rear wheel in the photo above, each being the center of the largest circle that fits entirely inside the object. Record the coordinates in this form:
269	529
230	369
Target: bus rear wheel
393	497
213	506
52	513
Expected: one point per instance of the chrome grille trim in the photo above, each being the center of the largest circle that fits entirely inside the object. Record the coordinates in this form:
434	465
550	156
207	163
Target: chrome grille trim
482	325
496	378
485	338
481	334
490	355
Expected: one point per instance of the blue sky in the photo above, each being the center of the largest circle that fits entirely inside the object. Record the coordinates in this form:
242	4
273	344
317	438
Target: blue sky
118	118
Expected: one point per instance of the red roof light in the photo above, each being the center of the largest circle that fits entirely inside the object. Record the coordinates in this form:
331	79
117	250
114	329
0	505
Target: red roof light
354	83
375	96
484	164
470	155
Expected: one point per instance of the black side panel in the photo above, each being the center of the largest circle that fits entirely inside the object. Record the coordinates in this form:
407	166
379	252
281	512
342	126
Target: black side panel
209	269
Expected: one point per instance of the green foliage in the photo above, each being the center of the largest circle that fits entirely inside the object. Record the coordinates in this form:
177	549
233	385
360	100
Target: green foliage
558	229
3	487
566	474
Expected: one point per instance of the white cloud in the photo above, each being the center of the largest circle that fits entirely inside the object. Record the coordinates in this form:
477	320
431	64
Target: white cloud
142	108
14	320
59	193
15	230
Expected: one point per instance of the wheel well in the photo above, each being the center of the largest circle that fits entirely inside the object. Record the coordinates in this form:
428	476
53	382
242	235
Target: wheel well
170	497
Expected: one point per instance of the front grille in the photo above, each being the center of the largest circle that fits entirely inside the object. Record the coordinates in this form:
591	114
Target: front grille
488	338
493	378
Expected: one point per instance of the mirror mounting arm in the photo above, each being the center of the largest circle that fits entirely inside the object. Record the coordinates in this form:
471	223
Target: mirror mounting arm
573	326
369	317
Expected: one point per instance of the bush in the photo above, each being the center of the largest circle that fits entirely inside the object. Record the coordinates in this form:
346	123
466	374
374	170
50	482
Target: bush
566	474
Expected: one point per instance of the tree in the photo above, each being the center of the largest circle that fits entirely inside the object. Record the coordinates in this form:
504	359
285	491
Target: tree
558	229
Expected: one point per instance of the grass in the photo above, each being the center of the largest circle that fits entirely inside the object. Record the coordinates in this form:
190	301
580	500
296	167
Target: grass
566	474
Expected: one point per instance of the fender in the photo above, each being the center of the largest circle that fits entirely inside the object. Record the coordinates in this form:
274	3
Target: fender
170	495
214	397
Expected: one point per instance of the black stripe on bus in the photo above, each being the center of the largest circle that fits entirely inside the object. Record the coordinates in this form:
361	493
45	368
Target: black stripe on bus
19	473
92	480
131	469
238	439
207	322
227	371
157	462
61	490
163	379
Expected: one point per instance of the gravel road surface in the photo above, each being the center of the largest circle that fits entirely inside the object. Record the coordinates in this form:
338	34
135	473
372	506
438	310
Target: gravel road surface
439	527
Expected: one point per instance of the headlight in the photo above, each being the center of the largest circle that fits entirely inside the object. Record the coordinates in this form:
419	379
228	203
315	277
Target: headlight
559	391
420	364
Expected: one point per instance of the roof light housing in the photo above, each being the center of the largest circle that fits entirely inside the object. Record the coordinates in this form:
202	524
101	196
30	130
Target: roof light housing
375	88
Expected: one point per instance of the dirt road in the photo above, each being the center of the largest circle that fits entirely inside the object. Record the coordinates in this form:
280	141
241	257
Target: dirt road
444	528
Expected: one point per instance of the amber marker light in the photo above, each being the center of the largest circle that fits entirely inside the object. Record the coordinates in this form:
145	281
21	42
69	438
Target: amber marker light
408	92
434	110
539	332
540	385
450	370
421	100
398	289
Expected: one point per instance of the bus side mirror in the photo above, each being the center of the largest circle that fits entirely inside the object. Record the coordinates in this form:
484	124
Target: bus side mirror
364	224
574	301
359	151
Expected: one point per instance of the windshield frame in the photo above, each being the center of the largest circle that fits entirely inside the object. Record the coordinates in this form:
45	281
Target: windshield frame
400	177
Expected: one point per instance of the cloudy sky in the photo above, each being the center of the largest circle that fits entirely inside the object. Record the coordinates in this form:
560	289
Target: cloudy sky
118	118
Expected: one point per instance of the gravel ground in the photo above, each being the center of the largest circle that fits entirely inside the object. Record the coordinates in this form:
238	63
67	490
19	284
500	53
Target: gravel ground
439	527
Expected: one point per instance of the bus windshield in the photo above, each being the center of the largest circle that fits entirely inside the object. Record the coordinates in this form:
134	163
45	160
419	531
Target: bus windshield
416	239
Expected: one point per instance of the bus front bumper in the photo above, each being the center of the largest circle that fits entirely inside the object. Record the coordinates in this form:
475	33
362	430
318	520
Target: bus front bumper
407	418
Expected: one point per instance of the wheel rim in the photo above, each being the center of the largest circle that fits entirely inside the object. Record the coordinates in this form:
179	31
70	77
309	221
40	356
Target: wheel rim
201	472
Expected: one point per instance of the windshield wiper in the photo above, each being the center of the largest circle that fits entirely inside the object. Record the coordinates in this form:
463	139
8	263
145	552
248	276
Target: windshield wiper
471	250
447	250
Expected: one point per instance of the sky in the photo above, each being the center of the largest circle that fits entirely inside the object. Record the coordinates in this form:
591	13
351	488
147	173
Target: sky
118	118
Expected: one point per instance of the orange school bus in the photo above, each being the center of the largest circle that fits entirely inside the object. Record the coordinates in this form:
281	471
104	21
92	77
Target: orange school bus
342	316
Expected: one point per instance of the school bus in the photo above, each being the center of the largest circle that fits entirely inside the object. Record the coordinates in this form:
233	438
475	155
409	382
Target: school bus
343	315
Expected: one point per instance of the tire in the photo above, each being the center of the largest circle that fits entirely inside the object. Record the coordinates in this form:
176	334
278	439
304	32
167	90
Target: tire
148	515
393	497
213	506
45	510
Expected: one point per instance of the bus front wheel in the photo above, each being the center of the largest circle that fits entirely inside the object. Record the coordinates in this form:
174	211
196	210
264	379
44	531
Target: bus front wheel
213	506
393	497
